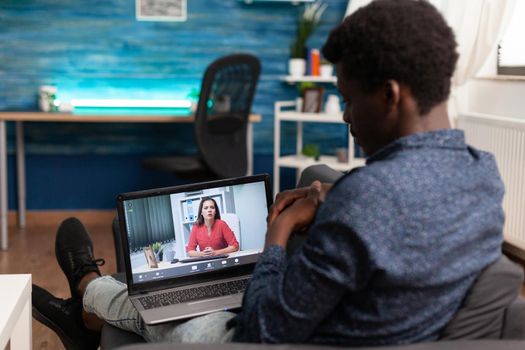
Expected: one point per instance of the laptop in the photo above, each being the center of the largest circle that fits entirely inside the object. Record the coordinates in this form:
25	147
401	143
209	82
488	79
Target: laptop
164	282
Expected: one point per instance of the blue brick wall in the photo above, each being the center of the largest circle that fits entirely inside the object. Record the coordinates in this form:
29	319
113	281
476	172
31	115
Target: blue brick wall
96	48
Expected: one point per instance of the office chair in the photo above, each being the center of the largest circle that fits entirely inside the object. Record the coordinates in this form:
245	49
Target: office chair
221	121
234	224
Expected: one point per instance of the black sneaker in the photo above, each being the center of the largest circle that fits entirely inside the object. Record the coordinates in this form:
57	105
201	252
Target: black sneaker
74	252
64	317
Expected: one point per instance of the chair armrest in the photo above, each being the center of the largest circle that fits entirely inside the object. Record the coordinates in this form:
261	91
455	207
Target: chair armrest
320	172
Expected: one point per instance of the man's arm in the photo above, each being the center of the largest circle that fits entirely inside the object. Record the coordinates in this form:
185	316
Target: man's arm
286	300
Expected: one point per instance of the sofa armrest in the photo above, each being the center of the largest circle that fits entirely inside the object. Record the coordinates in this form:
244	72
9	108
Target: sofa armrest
444	345
113	337
514	321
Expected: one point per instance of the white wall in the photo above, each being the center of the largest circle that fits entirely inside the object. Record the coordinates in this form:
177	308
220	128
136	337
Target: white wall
251	208
503	97
489	93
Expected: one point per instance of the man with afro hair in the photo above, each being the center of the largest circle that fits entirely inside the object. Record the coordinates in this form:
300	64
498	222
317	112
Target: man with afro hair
390	249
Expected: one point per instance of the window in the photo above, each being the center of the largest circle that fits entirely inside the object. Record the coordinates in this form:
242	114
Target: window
511	50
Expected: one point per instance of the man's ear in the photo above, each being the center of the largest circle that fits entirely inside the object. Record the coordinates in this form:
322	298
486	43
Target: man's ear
392	93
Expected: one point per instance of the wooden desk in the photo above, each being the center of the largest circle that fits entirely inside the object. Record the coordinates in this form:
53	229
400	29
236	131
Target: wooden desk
164	265
15	311
40	117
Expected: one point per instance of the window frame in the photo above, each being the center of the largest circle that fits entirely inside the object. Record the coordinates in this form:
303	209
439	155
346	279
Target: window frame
508	70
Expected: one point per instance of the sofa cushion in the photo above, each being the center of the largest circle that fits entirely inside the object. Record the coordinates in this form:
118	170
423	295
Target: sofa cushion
482	313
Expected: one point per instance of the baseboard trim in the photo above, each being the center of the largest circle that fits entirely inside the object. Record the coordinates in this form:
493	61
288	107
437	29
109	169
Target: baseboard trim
55	217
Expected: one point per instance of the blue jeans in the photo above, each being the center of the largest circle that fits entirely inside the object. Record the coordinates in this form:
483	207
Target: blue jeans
108	299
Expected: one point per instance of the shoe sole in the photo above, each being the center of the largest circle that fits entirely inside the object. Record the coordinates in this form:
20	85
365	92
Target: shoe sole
66	340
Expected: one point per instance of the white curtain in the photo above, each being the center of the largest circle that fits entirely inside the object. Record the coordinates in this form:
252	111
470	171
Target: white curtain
354	5
478	25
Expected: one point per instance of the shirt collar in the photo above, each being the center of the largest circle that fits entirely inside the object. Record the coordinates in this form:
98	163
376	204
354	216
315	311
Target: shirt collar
444	138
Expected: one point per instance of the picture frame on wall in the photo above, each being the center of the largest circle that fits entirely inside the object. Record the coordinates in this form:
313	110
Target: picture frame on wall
312	99
161	10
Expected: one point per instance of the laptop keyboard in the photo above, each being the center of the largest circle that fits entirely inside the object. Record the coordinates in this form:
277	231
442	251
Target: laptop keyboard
193	294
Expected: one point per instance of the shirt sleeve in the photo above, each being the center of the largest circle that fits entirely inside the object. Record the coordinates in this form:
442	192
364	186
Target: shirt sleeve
192	244
228	235
287	299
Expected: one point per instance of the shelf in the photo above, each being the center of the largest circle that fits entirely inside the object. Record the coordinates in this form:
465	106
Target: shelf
285	111
309	78
293	2
311	117
301	162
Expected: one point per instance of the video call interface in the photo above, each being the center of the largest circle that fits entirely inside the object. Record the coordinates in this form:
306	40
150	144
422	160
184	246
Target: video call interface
168	236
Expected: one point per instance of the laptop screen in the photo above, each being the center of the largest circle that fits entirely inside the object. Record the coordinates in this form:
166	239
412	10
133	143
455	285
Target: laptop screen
194	230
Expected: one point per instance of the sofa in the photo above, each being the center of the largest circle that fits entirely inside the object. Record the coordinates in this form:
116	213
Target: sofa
492	316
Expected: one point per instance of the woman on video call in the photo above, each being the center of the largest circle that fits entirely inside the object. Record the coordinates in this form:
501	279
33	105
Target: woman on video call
212	235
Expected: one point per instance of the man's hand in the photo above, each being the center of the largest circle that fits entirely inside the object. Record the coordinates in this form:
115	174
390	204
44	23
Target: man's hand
294	217
286	198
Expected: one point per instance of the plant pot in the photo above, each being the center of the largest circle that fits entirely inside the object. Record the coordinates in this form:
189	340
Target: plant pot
327	70
297	67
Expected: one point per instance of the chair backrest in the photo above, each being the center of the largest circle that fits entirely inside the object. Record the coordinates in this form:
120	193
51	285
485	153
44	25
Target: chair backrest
234	223
221	119
121	265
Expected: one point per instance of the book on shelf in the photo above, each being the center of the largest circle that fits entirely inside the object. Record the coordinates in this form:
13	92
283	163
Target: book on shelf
313	63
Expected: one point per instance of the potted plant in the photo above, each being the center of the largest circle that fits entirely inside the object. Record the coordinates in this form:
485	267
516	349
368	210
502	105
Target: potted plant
157	250
312	150
306	24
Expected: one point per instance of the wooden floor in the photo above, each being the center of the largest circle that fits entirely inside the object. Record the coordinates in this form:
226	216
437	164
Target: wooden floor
31	250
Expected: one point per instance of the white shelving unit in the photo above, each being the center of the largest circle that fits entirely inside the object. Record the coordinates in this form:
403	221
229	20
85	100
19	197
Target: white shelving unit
285	111
309	78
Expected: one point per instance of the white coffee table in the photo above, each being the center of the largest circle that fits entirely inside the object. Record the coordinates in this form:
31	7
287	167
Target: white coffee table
15	311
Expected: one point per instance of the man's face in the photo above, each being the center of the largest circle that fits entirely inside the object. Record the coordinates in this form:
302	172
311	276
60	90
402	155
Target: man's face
363	112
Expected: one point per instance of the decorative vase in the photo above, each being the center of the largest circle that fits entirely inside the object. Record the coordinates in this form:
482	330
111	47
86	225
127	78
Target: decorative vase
297	67
158	256
169	254
332	105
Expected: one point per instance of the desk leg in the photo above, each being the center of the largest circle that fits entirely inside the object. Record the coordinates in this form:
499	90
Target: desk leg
21	174
3	186
21	338
249	146
276	151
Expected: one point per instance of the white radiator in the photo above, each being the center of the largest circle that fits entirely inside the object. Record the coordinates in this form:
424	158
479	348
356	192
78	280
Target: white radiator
505	138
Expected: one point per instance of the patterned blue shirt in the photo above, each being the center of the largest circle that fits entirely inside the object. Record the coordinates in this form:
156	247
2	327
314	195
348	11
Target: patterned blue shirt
391	252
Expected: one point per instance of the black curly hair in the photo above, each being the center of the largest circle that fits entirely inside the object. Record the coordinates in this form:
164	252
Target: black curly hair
405	40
